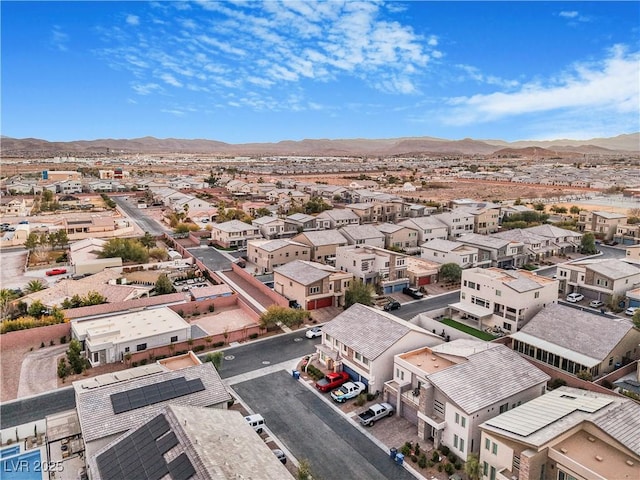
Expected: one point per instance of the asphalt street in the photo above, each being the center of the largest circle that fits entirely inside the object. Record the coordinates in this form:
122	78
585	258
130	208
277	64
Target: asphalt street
145	222
410	310
310	429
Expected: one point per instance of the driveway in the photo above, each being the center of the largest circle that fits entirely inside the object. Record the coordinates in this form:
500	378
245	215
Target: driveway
12	271
39	371
311	429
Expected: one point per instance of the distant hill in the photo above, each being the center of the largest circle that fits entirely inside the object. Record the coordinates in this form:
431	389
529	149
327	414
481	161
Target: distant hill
318	147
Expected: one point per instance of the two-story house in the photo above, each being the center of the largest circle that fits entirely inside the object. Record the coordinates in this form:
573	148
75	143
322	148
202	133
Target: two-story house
306	222
446	251
602	224
486	218
323	244
506	299
312	285
234	233
428	228
362	341
269	254
376	266
568	433
495	252
565	241
536	246
339	217
448	390
627	234
399	237
598	279
363	235
275	227
575	340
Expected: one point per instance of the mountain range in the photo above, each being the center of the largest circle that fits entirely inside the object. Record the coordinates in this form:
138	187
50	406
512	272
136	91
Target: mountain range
12	147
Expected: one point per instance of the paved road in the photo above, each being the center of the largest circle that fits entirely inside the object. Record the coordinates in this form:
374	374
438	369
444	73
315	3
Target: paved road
410	310
145	222
311	429
35	408
252	356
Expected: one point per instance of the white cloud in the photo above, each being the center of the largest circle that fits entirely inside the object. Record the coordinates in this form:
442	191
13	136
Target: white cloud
568	14
146	89
133	20
610	85
170	79
59	39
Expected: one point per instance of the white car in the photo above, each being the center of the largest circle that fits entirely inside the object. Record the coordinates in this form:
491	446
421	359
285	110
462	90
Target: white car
631	311
314	332
596	304
574	297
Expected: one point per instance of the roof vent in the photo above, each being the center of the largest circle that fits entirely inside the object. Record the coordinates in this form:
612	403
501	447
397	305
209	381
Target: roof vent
599	458
591	439
564	450
630	463
436	365
433	358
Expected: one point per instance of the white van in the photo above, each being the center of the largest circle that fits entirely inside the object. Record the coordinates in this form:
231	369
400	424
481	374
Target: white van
256	421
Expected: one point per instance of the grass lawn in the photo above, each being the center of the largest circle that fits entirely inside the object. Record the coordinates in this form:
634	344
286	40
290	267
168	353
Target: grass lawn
467	329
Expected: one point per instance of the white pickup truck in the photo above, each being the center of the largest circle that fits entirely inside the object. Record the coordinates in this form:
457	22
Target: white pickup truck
375	412
347	391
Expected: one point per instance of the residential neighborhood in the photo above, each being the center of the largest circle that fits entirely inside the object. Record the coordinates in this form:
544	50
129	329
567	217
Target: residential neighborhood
487	339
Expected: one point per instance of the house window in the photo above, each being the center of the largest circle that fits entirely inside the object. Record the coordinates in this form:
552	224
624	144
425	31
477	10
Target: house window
455	441
141	346
313	290
536	295
565	476
462	445
438	407
361	358
463	422
492	475
610	361
457	418
494	448
504	407
498	293
174	338
485	468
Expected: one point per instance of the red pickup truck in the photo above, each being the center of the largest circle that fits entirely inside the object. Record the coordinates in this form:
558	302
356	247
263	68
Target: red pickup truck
332	381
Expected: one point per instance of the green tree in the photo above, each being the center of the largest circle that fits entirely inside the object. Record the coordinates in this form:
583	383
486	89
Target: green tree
63	368
263	212
36	309
181	228
93	298
472	467
538	206
61	238
44	239
287	316
304	470
32	241
216	358
130	250
148	240
6	297
164	285
47	195
451	272
34	286
636	318
588	244
359	292
74	356
574	210
159	254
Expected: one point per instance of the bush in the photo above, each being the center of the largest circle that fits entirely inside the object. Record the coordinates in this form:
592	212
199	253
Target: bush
435	456
445	450
361	400
414	459
195	314
212	308
406	448
416	450
452	457
253	336
198	348
134	364
458	465
51	343
440	467
372	396
218	344
143	361
41	344
448	468
181	313
63	340
423	461
556	382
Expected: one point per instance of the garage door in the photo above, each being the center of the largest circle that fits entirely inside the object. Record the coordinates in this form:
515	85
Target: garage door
320	303
355	376
424	280
398	288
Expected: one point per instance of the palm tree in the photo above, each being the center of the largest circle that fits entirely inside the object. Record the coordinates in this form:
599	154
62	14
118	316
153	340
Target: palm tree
6	297
34	286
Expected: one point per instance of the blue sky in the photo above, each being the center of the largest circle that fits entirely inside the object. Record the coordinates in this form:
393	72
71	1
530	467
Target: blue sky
242	72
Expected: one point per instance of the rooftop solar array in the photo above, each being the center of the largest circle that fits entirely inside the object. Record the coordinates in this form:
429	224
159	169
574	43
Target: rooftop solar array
141	455
157	392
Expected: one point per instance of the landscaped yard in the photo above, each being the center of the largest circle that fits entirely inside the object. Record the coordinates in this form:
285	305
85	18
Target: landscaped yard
467	329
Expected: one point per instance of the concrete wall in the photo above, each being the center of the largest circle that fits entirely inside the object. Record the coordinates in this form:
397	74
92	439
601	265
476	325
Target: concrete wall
33	337
258	285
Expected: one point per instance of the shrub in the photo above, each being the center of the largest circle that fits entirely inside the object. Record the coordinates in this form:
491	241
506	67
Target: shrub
218	344
195	314
371	396
556	382
212	308
458	465
361	400
134	364
143	361
435	456
181	313
416	450
198	348
406	449
452	457
414	459
422	462
448	468
445	450
51	343
253	336
41	344
63	340
440	467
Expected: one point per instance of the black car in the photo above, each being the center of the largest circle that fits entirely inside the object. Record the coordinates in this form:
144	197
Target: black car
413	292
392	305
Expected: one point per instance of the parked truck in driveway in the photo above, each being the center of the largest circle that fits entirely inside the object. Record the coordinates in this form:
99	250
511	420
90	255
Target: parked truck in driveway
375	412
332	381
347	391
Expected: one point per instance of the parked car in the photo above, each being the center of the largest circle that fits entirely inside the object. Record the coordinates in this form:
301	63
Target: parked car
575	297
375	412
256	422
596	304
280	455
631	311
413	292
347	391
314	332
391	305
56	271
331	381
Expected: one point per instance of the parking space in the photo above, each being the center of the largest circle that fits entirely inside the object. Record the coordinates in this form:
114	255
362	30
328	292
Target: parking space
311	429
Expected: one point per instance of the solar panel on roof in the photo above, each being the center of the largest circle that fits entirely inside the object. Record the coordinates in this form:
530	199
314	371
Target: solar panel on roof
180	468
150	394
196	385
167	442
